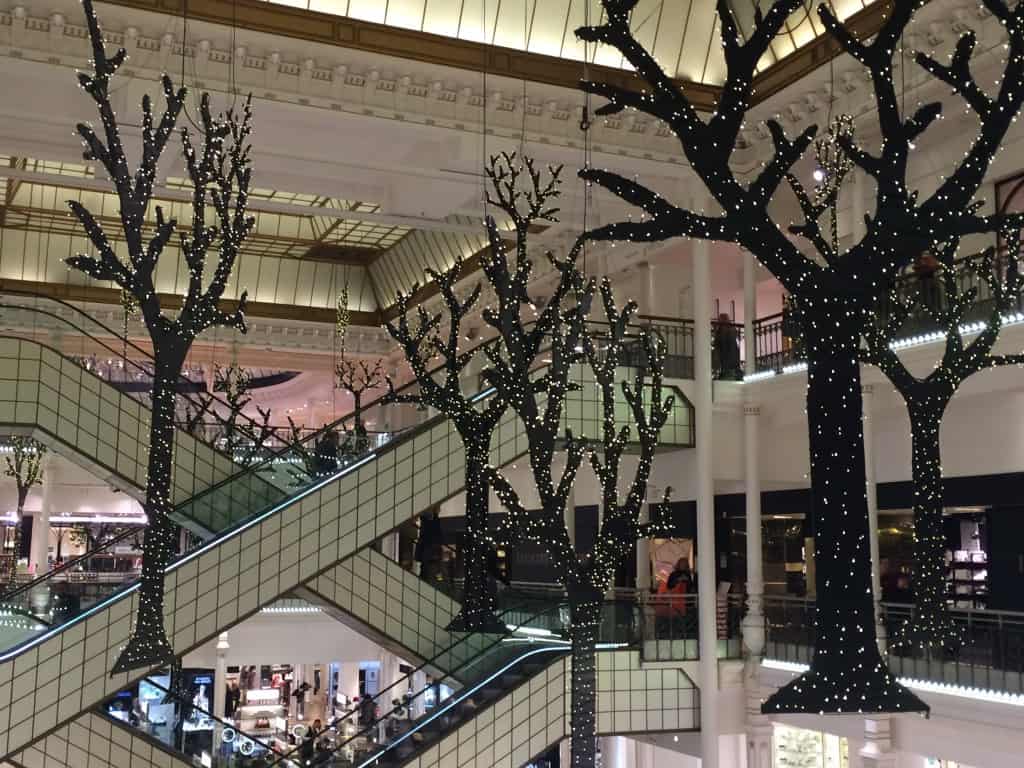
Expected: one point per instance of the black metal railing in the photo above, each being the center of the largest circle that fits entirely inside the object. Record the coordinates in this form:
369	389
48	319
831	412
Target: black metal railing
992	657
778	341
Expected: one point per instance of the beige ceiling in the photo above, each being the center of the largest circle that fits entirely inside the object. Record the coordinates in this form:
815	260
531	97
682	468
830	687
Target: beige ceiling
298	259
683	35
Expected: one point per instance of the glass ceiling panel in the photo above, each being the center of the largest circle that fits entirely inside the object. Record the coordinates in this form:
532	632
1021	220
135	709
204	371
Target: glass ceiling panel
682	34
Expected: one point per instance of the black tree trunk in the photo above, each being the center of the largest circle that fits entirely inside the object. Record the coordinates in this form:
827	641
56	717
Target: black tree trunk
479	599
148	644
847	672
932	624
585	610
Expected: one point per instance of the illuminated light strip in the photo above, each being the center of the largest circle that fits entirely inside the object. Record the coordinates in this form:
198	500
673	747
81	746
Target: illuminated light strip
947	689
454	700
535	631
969	329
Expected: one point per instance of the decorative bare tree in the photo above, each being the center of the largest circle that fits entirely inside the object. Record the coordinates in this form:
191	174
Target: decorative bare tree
475	419
25	467
927	398
357	377
220	175
243	443
586	578
832	290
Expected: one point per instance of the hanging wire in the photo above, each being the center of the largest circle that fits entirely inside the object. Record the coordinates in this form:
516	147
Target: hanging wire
483	106
585	127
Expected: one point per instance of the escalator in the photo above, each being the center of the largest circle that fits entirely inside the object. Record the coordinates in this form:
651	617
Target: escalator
261	534
505	703
64	403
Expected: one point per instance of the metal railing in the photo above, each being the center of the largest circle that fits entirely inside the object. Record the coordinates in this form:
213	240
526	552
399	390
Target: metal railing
778	341
669	626
992	657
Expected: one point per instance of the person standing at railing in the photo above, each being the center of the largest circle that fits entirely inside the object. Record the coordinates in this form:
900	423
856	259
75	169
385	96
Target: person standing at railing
326	453
926	268
727	349
429	546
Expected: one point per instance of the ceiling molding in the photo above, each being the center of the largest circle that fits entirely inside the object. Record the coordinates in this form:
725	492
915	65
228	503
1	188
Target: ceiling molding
255	309
821	50
404	43
413	45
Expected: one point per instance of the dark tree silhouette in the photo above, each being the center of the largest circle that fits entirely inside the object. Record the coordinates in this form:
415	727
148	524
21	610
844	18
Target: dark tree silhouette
357	377
586	578
927	398
220	173
244	441
25	467
831	290
524	203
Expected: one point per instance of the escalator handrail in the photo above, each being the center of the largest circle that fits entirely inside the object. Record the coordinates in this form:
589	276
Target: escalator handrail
407	433
243	525
189	705
468	662
249	423
70	564
349	713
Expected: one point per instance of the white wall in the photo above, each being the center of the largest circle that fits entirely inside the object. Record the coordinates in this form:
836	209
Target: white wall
281	638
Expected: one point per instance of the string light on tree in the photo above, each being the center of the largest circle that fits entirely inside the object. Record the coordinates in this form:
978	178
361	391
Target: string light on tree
220	175
832	290
586	579
927	397
24	466
525	197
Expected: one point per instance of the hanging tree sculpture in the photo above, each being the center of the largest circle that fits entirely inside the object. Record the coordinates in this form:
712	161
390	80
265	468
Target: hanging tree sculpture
524	202
357	377
927	398
25	467
220	173
831	290
236	384
587	577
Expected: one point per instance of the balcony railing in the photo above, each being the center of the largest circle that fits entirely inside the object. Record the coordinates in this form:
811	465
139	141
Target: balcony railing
778	341
992	657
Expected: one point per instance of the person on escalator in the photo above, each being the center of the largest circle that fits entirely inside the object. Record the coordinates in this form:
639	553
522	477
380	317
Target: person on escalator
429	547
325	453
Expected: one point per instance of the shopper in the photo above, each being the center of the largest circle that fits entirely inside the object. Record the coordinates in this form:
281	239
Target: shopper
407	534
325	454
727	348
367	713
429	546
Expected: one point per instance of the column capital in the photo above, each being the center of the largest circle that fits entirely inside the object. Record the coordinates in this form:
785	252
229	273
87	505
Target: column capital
751	409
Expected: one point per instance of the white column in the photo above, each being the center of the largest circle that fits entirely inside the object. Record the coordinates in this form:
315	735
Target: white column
749	314
565	752
867	393
857	204
706	581
753	621
570	515
40	545
643	565
614	752
877	751
220	685
389	546
419	682
644	754
652	291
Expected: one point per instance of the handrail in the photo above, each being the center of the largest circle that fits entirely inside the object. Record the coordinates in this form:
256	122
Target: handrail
189	705
410	432
248	423
68	565
406	701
